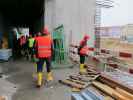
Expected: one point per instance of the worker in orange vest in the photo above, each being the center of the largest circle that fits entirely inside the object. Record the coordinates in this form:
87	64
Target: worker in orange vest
43	46
83	51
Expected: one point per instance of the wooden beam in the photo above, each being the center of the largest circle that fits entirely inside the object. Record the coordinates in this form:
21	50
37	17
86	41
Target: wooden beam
124	93
114	83
110	91
72	84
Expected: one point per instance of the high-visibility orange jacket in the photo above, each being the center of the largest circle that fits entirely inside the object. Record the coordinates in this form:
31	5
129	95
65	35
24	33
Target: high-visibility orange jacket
43	46
84	50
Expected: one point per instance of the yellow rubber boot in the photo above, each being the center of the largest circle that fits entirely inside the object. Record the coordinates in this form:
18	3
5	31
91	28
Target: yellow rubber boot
82	68
35	67
49	76
34	75
39	82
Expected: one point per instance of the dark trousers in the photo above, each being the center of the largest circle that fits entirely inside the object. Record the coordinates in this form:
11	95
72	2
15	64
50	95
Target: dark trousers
82	59
31	52
41	62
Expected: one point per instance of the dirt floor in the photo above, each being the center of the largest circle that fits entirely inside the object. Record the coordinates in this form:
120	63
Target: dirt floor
116	45
19	77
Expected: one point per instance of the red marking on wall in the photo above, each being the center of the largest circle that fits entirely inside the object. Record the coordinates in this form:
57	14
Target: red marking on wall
131	71
126	55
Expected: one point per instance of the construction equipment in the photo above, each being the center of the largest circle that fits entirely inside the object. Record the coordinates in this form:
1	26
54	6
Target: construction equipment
59	44
60	54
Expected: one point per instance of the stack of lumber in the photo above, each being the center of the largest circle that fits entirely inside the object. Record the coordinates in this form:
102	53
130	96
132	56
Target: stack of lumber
117	93
122	77
80	81
113	83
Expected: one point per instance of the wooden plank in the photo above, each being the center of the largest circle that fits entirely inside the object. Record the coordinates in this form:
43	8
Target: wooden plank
114	83
108	98
124	93
90	76
117	96
110	91
77	81
79	78
72	84
103	87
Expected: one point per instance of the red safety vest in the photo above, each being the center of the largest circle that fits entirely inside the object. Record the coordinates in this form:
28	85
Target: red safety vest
84	50
43	45
22	40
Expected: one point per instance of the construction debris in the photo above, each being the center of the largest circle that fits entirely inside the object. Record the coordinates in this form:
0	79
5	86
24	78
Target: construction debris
110	91
113	83
123	77
80	81
72	84
107	87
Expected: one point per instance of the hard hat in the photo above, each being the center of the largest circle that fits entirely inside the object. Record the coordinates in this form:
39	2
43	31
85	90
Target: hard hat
45	30
82	42
86	37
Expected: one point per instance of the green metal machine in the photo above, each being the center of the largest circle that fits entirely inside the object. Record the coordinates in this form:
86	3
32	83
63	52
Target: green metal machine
59	46
60	55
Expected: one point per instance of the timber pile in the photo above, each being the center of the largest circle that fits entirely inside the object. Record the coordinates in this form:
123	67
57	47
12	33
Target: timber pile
123	77
80	81
116	93
114	83
105	87
103	90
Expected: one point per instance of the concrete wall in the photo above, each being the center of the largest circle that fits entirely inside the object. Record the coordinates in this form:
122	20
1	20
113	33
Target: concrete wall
77	16
1	25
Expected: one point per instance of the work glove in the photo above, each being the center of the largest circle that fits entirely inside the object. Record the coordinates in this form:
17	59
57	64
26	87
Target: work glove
35	58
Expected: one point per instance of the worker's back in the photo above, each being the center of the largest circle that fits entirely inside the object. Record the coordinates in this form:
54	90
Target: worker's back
43	44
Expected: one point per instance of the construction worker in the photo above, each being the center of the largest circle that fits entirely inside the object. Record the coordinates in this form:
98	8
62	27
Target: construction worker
83	51
31	41
43	45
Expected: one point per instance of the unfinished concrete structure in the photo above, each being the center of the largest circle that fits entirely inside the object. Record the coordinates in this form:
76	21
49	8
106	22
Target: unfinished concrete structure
77	16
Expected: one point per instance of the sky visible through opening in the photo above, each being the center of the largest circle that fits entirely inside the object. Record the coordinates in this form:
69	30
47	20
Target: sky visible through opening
120	14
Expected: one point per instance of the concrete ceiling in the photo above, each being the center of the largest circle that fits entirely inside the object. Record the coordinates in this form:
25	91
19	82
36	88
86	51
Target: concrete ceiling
22	11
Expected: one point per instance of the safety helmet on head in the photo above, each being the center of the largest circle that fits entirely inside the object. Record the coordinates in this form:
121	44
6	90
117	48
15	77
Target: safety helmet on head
45	30
86	37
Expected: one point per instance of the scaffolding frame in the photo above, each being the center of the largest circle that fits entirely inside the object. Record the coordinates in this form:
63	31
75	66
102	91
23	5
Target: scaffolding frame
99	5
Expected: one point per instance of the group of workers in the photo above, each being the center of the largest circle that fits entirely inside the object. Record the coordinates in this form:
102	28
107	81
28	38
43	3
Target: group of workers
40	47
